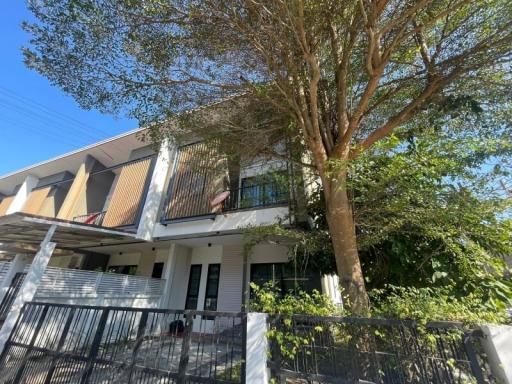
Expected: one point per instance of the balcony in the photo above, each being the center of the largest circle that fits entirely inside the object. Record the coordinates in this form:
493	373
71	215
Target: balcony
114	196
256	196
199	188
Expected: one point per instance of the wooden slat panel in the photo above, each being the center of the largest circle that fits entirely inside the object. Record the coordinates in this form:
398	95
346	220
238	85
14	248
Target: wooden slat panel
198	178
35	200
5	203
128	194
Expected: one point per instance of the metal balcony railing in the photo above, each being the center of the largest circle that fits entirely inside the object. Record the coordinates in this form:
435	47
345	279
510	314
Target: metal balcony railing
256	196
246	197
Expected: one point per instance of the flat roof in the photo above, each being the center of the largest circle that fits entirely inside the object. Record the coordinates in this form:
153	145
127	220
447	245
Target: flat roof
109	152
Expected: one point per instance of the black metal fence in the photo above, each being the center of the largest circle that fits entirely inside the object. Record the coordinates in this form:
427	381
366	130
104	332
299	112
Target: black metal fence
308	349
10	295
56	343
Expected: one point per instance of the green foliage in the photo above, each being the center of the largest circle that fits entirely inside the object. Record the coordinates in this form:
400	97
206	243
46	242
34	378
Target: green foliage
268	299
431	219
435	304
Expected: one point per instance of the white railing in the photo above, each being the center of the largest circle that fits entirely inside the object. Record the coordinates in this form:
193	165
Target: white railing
74	282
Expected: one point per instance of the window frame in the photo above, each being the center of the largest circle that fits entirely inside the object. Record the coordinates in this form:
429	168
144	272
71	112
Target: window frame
208	283
189	297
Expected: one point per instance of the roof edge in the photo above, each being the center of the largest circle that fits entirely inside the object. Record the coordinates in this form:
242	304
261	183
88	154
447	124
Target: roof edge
82	149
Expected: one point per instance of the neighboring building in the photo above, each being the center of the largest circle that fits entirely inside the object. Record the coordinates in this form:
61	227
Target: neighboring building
117	206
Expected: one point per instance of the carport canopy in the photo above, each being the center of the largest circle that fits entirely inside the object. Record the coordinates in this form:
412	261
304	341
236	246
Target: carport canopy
25	231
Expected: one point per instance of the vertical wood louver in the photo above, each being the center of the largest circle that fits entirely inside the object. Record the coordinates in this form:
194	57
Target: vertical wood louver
128	194
4	204
200	174
36	199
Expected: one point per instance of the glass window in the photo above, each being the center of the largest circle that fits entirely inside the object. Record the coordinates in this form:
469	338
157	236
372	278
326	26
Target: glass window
194	281
263	190
212	288
123	269
284	277
158	269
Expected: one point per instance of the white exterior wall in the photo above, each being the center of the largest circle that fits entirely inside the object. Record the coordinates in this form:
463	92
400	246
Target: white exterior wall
230	283
178	294
222	223
230	257
124	258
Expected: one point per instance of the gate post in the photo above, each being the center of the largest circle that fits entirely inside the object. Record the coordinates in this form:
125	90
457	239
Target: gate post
497	344
256	371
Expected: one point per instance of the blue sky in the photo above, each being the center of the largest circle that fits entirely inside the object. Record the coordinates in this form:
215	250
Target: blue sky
37	120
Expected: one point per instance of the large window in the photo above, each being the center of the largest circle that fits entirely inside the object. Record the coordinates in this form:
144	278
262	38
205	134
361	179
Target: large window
194	281
285	277
212	288
263	190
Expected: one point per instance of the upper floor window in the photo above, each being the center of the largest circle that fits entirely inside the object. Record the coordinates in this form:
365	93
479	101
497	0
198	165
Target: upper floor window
265	190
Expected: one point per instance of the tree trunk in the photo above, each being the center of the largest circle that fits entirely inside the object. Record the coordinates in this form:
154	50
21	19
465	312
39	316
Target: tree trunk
342	229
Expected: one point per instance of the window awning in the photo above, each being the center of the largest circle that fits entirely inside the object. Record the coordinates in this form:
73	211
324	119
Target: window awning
23	228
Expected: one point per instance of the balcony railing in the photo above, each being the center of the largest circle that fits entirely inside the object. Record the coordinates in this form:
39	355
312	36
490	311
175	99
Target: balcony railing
256	196
246	197
95	218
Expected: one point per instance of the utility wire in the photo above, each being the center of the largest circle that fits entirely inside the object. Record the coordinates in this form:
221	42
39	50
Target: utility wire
52	127
53	112
41	132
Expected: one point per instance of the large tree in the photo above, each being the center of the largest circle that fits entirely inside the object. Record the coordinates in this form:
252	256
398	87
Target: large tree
346	73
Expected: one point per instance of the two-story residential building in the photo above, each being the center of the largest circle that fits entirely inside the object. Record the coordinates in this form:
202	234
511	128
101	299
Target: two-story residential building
135	226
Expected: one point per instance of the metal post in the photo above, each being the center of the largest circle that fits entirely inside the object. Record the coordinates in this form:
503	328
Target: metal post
26	355
475	365
95	346
185	348
138	343
62	339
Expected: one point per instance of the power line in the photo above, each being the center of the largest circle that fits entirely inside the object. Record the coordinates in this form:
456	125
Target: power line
35	130
52	126
28	111
51	111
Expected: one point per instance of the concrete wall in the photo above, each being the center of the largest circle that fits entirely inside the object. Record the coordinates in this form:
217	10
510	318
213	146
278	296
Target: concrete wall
222	223
497	344
124	258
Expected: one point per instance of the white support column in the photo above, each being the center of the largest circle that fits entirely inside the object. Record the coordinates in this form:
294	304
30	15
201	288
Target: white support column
256	371
29	286
21	196
17	265
497	345
168	275
331	288
156	191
